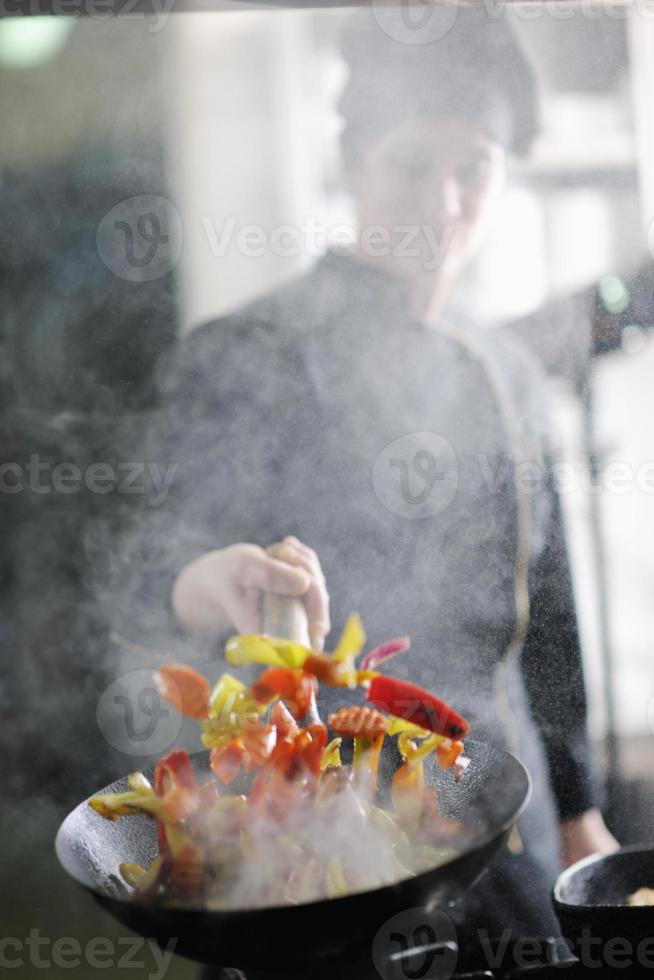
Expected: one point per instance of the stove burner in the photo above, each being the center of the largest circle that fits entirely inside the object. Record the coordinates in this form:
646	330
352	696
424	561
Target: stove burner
433	961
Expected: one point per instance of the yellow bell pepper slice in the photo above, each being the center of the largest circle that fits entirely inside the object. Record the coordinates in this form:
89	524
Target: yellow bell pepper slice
141	800
251	649
331	755
227	696
336	881
352	640
411	750
271	651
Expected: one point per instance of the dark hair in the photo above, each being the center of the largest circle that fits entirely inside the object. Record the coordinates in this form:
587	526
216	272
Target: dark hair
462	63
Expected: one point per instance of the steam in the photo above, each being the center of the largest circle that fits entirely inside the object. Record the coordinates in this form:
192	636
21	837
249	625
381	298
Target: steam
295	862
311	849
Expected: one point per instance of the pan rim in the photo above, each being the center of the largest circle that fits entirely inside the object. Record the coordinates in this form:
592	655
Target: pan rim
566	877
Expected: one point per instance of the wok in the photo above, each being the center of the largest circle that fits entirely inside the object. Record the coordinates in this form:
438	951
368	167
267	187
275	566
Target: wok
590	899
489	799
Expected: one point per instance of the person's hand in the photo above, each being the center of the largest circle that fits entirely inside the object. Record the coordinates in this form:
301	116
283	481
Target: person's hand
584	835
222	589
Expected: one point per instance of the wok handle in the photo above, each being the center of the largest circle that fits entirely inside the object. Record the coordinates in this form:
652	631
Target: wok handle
284	616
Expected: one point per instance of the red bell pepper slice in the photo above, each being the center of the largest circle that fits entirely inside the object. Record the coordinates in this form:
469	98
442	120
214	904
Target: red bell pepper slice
416	705
175	769
173	775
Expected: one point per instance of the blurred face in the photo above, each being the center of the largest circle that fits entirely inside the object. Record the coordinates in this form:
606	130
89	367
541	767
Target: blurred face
425	194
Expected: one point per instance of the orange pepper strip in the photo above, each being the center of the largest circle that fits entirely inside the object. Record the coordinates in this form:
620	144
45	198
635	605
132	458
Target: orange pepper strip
226	761
184	688
312	754
448	752
296	687
325	669
283	720
258	744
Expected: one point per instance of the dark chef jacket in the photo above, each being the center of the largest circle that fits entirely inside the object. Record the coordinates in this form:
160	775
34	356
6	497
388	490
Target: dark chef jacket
298	415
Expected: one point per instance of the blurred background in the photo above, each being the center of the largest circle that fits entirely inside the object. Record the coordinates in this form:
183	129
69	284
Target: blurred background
225	124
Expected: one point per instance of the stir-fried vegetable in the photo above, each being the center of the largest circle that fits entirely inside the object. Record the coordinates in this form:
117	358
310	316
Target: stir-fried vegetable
416	705
306	817
384	652
356	722
184	688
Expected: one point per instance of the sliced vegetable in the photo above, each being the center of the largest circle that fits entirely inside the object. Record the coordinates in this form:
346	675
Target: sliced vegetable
177	838
358	721
351	642
331	755
174	770
398	725
226	761
131	873
296	687
312	752
227	696
448	752
367	752
283	720
114	805
410	749
230	711
158	872
253	649
258	743
336	880
414	704
407	794
327	670
292	654
174	783
384	652
184	688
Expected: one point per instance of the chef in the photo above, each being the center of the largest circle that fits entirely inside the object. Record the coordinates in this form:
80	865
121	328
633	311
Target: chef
401	457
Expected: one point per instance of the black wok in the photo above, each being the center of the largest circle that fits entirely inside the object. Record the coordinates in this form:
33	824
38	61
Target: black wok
489	799
590	899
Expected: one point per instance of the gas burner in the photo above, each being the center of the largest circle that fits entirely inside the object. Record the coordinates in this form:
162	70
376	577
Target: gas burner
431	961
434	961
